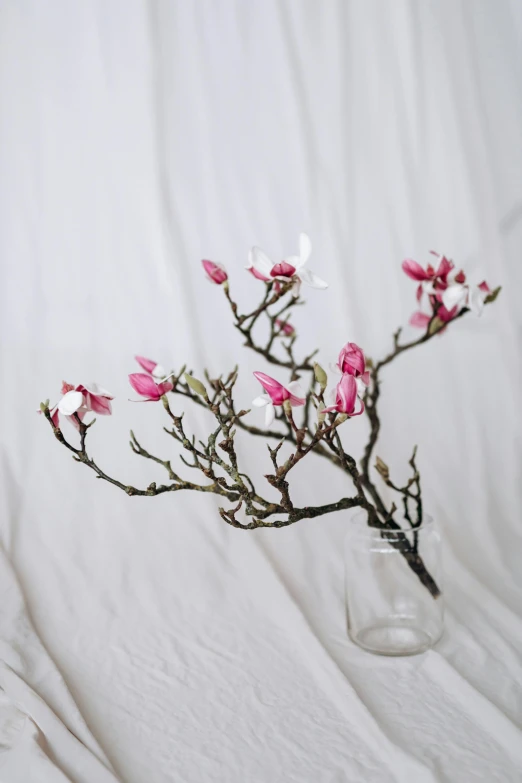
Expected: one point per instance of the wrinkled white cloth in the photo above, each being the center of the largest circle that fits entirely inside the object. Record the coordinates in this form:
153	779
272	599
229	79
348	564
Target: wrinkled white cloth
135	139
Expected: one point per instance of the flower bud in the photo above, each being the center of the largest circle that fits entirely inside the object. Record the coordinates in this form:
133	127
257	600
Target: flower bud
196	385
493	295
382	468
320	376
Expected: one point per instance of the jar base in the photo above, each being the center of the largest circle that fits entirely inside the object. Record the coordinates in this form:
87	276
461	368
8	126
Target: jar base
394	637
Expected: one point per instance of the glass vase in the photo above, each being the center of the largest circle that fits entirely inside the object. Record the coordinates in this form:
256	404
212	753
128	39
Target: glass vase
393	586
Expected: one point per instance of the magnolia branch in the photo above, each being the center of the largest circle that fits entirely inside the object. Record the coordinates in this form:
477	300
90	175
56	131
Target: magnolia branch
317	430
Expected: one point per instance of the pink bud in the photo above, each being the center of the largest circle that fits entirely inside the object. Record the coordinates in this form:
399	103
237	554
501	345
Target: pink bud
351	360
285	327
215	272
346	397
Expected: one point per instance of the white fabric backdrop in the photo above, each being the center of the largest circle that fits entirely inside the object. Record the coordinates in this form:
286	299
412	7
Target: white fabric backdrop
135	139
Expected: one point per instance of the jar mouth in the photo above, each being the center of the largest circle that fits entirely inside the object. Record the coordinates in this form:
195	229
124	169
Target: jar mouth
358	525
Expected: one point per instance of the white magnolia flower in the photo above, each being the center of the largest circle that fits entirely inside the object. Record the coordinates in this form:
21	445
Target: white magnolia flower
291	269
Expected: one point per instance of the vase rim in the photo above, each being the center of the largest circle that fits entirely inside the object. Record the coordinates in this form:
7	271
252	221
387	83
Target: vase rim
358	525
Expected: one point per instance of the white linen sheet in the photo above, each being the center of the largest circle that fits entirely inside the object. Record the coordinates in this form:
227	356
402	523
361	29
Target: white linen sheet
143	639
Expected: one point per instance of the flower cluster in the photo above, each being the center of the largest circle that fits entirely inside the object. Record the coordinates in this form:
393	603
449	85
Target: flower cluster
447	292
79	400
347	393
290	270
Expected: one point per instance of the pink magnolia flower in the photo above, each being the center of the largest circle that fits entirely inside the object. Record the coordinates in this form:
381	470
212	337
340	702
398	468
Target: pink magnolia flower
346	396
285	327
276	394
291	269
352	362
147	387
216	272
80	400
151	367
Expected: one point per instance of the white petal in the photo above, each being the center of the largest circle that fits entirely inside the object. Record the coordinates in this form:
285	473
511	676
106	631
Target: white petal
96	389
305	248
294	260
269	415
476	300
310	279
428	287
453	295
70	403
261	401
335	368
295	388
261	262
296	288
159	372
361	387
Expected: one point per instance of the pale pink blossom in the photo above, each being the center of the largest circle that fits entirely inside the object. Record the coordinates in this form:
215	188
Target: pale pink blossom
346	397
291	269
152	368
285	327
276	395
216	272
147	387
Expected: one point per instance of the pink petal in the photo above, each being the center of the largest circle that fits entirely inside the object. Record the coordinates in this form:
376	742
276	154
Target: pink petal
165	387
257	274
446	315
147	364
283	269
285	327
358	412
72	419
460	277
346	394
276	391
484	287
421	320
99	404
365	378
414	270
420	291
445	268
144	385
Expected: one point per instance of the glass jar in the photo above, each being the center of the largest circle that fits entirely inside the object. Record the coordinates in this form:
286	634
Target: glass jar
393	586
